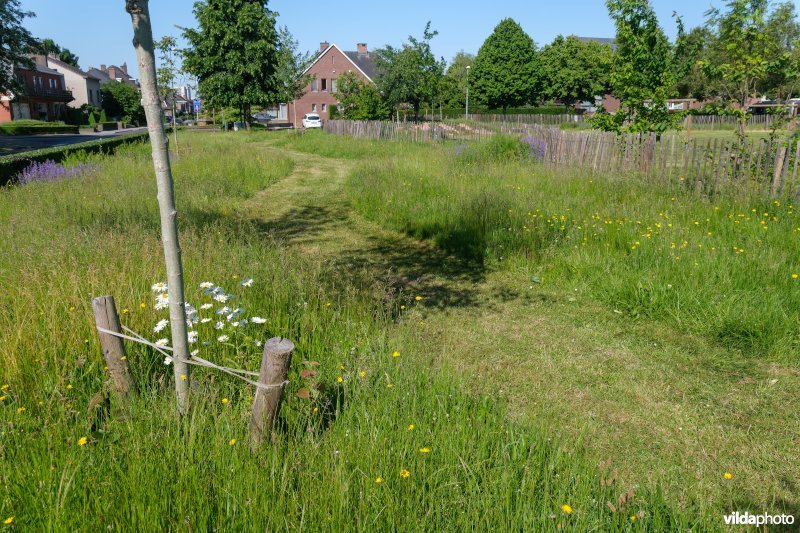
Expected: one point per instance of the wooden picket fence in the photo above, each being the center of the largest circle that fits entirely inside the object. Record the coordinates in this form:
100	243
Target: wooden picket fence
711	166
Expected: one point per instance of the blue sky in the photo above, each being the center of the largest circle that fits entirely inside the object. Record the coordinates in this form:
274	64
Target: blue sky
99	31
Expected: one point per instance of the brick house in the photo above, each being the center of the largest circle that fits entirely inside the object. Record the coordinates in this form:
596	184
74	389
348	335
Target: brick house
44	96
332	62
84	86
113	73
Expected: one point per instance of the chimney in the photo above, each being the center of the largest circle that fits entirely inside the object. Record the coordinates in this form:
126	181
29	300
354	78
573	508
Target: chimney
103	68
362	49
324	46
124	68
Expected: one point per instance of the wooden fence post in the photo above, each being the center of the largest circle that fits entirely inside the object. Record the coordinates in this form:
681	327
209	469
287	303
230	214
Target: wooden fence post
274	370
105	317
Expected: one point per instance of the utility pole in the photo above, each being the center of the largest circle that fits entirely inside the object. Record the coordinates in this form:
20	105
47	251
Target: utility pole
466	113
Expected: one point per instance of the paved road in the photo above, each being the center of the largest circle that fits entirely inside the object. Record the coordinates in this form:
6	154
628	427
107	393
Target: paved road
14	144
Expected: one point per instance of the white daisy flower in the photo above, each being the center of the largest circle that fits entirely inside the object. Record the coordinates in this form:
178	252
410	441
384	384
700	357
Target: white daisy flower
195	352
235	324
193	337
205	320
206	285
159	287
259	343
160	325
162	342
223	338
205	307
219	325
167	360
223	310
246	282
258	320
221	297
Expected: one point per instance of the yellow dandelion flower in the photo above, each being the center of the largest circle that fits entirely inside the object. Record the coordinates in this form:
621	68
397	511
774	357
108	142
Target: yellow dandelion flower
315	410
395	354
224	401
566	508
4	387
362	373
8	521
411	427
82	441
142	305
633	518
424	450
123	358
231	442
405	473
379	480
71	308
2	398
389	385
125	311
418	298
69	386
402	307
339	379
795	276
21	409
183	377
728	475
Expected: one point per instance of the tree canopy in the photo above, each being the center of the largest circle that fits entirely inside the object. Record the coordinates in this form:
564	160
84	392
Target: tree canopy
454	83
48	46
505	72
234	54
122	101
410	74
645	69
573	70
15	42
359	100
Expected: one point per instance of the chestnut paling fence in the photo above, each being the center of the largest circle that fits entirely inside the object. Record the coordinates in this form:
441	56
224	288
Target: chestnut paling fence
710	166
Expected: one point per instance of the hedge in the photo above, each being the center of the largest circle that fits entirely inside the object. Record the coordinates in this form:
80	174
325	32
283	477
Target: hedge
11	165
12	128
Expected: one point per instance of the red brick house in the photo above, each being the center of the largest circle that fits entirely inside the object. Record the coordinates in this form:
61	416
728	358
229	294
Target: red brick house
331	63
44	96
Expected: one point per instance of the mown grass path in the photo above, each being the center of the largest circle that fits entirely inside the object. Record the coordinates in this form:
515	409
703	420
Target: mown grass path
666	407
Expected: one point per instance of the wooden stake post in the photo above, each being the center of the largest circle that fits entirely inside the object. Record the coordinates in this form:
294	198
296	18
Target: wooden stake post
105	317
275	365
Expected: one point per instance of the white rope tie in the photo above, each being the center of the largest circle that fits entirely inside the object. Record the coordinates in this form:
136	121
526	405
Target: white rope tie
194	360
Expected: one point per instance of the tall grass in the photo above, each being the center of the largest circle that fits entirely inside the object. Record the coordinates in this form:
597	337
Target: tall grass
337	461
728	270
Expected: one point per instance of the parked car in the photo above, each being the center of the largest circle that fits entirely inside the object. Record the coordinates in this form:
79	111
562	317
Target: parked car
311	120
263	116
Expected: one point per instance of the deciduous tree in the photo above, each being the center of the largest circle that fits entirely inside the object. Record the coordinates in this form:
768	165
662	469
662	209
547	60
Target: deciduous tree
359	100
573	70
15	42
454	83
122	101
49	46
645	70
234	54
505	72
410	74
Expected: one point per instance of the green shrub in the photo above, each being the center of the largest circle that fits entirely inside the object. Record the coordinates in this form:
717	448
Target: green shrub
92	120
15	128
11	165
103	116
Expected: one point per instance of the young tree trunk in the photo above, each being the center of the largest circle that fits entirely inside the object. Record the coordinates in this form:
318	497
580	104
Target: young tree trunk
175	122
143	43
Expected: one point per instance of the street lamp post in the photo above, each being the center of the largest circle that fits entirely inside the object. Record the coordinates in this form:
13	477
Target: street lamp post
466	111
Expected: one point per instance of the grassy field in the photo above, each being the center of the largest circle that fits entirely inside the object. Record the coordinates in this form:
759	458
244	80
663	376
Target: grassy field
488	334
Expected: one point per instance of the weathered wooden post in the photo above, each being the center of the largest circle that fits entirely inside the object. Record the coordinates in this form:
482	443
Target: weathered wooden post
274	370
106	318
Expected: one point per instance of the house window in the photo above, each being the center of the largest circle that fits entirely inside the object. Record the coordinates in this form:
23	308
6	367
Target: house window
333	85
324	85
324	107
313	108
314	85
